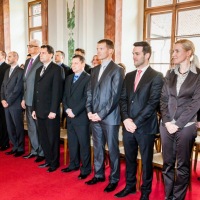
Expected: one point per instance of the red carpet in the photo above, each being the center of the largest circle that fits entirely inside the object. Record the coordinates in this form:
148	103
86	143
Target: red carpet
21	179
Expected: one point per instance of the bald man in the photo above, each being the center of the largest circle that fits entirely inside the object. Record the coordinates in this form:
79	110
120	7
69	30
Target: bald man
11	97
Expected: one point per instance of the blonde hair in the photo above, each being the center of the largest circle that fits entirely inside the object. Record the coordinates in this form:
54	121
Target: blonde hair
189	46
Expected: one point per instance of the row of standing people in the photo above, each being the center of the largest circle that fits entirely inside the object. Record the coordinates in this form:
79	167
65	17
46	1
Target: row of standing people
138	95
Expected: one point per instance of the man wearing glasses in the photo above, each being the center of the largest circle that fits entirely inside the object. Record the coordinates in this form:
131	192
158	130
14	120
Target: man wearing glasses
31	65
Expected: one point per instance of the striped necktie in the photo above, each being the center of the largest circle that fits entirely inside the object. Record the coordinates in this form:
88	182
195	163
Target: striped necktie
29	66
43	70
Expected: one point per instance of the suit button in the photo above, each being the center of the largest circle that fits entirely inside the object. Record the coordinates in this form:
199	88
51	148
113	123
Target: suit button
132	101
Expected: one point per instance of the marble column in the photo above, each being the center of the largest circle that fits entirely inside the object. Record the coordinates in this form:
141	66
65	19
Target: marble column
4	25
113	25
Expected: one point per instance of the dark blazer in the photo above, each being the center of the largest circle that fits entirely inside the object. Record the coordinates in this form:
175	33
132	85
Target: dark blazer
88	68
184	106
75	95
3	67
103	95
67	70
48	91
12	88
29	80
142	105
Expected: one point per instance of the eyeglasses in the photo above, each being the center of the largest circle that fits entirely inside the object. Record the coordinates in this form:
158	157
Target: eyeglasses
31	46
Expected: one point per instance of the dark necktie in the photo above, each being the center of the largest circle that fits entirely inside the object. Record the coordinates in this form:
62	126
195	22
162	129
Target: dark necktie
29	66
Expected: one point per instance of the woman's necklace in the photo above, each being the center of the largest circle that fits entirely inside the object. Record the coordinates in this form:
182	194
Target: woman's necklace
183	73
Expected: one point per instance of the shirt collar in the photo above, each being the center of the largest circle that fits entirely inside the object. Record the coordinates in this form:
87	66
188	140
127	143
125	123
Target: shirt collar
78	74
59	64
14	66
46	65
143	69
192	69
34	57
105	63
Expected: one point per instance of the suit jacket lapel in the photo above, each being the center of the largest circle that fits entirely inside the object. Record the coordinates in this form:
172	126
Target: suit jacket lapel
70	82
172	84
131	84
187	82
76	84
145	78
14	71
96	74
7	76
46	71
34	63
105	72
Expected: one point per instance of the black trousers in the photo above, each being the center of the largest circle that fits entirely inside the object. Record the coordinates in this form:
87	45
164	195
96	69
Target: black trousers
49	136
103	133
79	147
177	148
4	139
145	142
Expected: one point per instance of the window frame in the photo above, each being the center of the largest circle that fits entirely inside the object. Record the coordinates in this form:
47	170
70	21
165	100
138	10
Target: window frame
44	20
174	8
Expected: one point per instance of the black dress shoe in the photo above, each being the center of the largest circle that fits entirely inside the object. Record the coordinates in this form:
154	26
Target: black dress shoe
111	187
30	155
19	153
144	197
95	180
39	159
69	170
3	148
82	176
11	152
44	165
52	169
125	192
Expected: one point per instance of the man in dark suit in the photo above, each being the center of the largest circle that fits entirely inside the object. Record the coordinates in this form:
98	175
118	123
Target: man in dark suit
31	65
81	52
11	97
59	60
46	106
74	100
139	104
4	139
102	105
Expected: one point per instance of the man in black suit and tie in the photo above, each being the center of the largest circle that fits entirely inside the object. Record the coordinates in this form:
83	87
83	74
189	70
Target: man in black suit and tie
74	100
81	52
102	105
46	106
139	105
4	139
11	97
31	65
